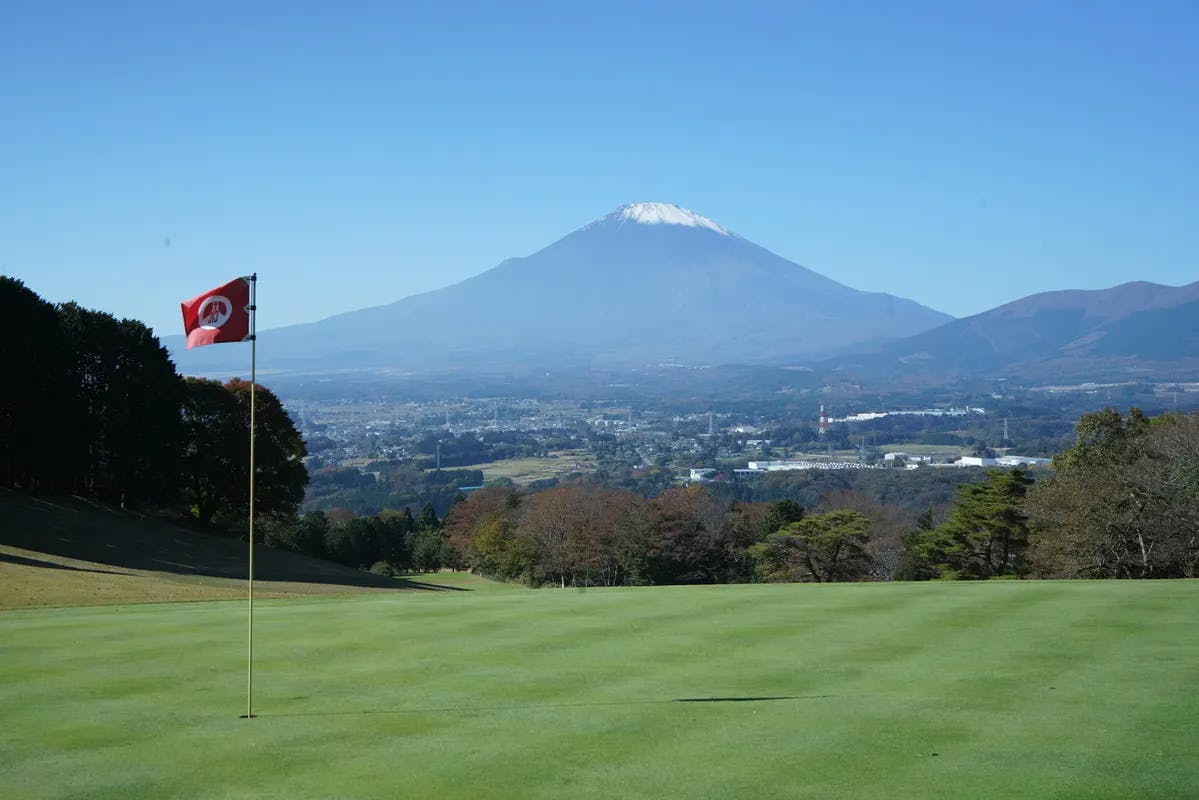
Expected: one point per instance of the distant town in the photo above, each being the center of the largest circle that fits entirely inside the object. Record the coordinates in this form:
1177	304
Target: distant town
536	442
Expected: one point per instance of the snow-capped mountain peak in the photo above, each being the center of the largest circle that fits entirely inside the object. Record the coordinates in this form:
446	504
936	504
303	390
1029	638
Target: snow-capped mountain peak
664	214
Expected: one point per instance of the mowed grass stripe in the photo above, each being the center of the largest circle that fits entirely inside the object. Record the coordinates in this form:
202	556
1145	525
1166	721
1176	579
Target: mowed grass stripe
822	668
1036	689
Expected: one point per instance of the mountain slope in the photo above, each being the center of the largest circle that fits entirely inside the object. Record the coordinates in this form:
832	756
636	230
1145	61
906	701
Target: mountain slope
1133	330
649	282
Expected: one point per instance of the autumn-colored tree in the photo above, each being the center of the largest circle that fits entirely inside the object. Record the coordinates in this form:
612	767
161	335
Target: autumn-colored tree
1123	501
690	538
610	549
482	529
583	534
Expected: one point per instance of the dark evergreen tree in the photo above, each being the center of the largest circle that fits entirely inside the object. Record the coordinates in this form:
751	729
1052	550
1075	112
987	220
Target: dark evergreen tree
280	474
217	452
821	548
126	429
985	536
215	444
911	566
780	514
36	396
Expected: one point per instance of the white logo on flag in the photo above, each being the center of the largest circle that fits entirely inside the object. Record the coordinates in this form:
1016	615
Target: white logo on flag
214	312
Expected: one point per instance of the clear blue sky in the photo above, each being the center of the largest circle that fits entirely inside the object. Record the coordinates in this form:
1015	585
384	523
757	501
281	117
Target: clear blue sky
961	154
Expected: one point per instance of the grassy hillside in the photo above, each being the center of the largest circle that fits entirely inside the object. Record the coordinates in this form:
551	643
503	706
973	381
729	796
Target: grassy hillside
979	690
69	551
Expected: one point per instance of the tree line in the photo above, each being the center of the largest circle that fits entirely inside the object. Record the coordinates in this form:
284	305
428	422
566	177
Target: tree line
387	543
587	534
1122	502
92	405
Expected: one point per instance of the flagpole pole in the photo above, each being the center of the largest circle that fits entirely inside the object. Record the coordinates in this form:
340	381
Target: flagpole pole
253	381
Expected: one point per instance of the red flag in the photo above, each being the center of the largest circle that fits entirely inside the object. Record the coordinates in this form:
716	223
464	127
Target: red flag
219	315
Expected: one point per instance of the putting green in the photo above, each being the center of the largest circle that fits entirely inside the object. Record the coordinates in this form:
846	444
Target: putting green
1001	689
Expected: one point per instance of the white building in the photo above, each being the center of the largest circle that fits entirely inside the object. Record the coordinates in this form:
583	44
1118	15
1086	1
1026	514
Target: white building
975	461
787	466
911	459
1003	461
1022	461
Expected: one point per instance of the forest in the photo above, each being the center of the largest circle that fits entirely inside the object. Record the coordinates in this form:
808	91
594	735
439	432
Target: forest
93	406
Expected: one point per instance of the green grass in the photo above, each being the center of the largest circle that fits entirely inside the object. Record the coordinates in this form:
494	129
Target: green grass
63	551
981	690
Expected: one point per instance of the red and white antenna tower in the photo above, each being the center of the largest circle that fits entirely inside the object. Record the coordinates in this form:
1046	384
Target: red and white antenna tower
823	422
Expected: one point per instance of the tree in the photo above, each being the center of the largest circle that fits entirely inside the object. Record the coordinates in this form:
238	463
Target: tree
780	514
399	540
279	472
428	549
911	566
305	534
982	450
887	525
213	446
127	422
583	535
985	535
690	539
482	529
1123	501
36	392
820	547
428	517
549	523
216	453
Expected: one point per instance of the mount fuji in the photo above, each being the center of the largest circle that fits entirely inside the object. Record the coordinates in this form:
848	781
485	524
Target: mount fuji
645	284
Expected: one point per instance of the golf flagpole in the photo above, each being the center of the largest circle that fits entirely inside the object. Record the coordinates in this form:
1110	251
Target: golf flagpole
228	313
253	308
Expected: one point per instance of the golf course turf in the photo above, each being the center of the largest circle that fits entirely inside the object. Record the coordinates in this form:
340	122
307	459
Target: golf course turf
965	690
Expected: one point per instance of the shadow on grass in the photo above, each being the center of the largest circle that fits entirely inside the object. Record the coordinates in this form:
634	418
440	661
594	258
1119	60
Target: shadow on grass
84	530
544	706
408	583
38	562
736	699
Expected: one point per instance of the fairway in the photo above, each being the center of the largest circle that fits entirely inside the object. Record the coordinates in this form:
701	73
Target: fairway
1000	689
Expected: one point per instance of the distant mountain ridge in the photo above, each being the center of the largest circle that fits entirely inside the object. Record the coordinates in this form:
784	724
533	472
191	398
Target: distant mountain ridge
1137	329
647	283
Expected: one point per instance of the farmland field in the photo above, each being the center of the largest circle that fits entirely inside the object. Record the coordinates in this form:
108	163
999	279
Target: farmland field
1000	689
523	471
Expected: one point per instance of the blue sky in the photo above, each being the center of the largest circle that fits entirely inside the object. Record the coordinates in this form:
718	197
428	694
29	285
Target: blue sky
961	154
